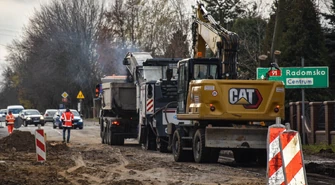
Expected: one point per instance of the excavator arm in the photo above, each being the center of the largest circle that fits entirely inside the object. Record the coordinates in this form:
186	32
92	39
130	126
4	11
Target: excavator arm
223	43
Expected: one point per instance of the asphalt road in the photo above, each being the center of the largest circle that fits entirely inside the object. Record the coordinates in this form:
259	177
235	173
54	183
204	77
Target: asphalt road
90	130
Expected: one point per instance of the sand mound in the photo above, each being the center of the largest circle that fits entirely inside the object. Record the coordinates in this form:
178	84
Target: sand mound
18	141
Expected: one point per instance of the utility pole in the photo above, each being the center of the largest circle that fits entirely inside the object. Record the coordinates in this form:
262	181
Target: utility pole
303	108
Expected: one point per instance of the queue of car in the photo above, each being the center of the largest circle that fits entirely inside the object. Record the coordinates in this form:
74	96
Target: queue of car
27	117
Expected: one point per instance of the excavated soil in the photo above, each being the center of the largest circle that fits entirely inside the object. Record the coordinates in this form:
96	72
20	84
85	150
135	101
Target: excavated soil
18	141
87	163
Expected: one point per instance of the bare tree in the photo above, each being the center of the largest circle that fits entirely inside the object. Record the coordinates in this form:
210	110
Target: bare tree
58	53
141	25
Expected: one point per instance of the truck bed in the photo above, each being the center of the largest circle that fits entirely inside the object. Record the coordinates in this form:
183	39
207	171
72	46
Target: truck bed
119	97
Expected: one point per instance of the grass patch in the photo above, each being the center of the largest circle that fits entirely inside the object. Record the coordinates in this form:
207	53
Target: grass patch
316	148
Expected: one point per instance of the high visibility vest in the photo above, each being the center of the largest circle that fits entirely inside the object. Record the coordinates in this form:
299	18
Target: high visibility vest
10	119
67	117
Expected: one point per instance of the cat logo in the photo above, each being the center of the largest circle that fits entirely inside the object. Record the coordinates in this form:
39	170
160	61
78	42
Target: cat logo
249	98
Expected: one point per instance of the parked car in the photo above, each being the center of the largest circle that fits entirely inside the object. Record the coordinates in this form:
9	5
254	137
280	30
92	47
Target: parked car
3	113
77	119
31	117
49	114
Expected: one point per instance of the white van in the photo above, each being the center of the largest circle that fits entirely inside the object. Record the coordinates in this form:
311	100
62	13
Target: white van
16	109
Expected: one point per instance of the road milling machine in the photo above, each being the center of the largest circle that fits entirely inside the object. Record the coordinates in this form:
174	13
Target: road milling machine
156	94
217	111
140	104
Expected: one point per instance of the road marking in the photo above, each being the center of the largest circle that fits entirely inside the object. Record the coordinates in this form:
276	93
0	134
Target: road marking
58	132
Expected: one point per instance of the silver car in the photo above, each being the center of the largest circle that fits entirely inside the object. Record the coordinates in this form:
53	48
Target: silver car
31	117
49	114
3	113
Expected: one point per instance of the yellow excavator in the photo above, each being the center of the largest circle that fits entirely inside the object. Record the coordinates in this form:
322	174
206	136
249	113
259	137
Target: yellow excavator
217	111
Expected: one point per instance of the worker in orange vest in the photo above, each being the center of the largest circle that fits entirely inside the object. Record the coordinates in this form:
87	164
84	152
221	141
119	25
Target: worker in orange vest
10	119
67	118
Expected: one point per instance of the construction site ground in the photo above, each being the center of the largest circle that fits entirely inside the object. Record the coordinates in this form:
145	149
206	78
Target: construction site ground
86	161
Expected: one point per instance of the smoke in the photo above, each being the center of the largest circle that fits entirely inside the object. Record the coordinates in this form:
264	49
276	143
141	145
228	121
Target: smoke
111	56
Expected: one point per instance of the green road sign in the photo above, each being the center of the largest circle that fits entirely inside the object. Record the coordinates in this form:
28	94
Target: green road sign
298	77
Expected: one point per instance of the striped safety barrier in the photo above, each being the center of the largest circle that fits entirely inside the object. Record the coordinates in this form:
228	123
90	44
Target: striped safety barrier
293	162
275	174
40	145
150	106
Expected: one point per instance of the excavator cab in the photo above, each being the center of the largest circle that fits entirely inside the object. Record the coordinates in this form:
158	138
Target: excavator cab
195	69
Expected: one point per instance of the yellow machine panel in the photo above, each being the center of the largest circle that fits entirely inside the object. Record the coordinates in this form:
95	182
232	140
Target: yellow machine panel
235	100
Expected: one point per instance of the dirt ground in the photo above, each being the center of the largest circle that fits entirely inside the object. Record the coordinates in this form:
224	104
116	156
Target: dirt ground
85	164
78	163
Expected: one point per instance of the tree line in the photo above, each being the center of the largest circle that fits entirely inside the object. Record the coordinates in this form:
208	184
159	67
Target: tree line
68	45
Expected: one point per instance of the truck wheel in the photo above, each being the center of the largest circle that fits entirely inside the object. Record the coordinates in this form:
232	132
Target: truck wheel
179	154
25	123
103	135
101	127
200	151
108	135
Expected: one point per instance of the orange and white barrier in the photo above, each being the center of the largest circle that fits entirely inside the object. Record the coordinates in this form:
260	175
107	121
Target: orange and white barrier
40	145
293	162
275	173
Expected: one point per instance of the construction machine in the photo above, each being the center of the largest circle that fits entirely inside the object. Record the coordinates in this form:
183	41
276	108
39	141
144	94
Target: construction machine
156	93
140	104
118	117
118	99
217	111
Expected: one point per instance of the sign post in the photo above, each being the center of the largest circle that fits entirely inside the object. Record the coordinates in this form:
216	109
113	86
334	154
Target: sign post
303	108
64	95
80	97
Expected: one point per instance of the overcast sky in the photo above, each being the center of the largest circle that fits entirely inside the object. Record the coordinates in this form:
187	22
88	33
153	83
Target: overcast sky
14	14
